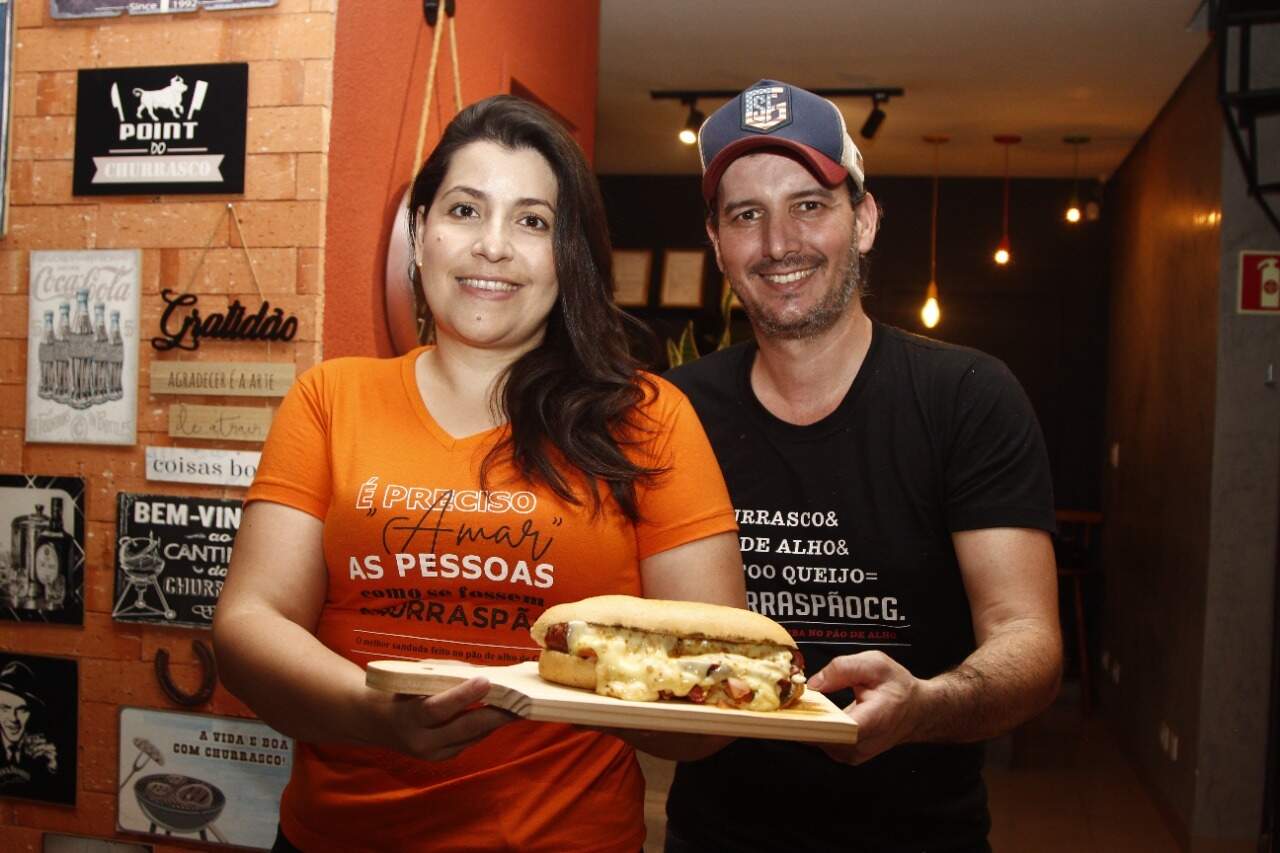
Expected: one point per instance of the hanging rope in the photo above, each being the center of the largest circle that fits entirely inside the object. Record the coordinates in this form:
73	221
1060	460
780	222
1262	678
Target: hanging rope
230	210
431	85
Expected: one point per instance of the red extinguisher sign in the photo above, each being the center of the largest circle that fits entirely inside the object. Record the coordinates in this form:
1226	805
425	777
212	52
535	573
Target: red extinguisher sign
1259	283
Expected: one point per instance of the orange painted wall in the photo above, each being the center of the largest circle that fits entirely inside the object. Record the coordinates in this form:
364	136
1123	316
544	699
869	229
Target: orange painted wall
548	47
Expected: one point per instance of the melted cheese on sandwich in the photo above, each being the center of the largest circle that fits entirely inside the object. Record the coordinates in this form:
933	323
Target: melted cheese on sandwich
643	666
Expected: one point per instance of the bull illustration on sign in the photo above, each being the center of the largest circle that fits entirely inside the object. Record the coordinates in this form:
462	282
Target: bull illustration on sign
169	98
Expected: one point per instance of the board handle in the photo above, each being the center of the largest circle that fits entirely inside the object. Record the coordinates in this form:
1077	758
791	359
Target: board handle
429	677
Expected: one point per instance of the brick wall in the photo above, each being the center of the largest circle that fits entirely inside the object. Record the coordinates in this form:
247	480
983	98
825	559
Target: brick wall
290	49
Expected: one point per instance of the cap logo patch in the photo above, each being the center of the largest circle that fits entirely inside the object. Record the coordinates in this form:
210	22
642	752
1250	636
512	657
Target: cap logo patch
765	108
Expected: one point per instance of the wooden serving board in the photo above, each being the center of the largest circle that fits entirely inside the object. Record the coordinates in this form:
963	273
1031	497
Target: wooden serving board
520	690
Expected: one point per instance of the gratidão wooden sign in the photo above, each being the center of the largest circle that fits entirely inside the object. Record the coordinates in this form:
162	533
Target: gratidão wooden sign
233	379
182	326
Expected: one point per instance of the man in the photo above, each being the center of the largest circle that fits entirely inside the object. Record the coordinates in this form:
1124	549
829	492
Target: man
27	759
893	499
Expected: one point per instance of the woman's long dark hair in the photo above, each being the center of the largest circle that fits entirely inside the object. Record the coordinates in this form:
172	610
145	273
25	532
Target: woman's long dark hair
576	392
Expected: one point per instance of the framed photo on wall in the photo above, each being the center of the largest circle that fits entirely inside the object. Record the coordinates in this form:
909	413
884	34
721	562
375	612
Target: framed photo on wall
39	700
82	347
631	271
682	278
42	549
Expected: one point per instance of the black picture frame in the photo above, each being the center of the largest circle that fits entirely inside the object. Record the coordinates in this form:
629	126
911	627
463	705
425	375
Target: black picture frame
39	704
32	588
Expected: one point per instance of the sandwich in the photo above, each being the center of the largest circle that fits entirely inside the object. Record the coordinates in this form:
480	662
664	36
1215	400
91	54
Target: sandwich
647	649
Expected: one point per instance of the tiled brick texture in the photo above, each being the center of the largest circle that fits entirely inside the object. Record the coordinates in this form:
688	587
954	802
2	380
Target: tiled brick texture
290	49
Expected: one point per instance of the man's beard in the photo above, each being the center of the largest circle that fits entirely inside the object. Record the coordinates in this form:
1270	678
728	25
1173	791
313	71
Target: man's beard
817	319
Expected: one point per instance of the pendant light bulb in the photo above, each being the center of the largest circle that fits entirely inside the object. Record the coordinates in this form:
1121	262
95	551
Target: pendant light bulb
1073	213
1002	255
931	313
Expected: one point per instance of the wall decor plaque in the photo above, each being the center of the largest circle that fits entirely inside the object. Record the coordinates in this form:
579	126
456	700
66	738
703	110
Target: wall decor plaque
39	700
171	557
682	278
82	347
6	106
56	842
219	423
42	557
111	8
183	327
212	467
162	129
232	379
198	777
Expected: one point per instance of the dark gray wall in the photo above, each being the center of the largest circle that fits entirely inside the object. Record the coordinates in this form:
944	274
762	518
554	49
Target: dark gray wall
1160	417
1239	595
1192	507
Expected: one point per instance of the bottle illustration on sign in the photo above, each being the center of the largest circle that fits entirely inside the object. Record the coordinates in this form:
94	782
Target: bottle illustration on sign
41	560
1269	271
81	364
142	565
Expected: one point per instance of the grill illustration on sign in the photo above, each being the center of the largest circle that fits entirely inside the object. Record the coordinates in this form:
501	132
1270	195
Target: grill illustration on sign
177	803
142	565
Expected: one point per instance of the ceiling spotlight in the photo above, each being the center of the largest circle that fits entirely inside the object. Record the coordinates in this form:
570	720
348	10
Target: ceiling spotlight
875	118
689	133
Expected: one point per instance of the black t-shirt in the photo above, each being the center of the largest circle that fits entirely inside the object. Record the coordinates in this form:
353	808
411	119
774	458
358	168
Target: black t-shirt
845	528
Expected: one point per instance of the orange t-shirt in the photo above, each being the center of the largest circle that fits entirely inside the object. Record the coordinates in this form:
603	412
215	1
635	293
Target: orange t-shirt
422	564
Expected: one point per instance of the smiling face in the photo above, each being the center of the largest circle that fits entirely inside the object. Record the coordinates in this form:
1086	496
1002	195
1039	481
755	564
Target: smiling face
14	714
486	250
790	246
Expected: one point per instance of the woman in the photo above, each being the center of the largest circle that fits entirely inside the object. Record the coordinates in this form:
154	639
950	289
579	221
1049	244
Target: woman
433	505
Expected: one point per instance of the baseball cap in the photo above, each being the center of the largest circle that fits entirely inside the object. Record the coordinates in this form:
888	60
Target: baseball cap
770	114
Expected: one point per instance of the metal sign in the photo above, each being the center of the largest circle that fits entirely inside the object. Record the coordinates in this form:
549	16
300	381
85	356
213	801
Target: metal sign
39	699
42	557
82	347
164	129
196	777
171	557
111	8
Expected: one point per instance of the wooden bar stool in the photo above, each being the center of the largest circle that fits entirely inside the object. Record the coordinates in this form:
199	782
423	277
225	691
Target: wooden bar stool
1074	548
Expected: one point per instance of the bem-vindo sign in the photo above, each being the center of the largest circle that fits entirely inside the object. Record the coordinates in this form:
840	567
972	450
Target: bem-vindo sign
164	129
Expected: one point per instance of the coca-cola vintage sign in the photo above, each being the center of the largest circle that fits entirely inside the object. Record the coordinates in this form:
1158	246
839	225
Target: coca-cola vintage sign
82	354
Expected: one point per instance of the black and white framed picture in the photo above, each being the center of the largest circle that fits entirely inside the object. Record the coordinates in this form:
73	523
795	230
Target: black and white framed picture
161	129
171	557
6	106
203	778
42	560
38	706
111	8
82	346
